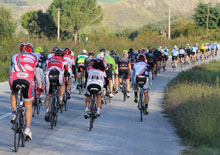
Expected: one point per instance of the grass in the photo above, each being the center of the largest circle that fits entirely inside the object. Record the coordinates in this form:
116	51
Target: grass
192	102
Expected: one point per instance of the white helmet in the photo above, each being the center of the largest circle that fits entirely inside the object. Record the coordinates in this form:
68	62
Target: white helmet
84	51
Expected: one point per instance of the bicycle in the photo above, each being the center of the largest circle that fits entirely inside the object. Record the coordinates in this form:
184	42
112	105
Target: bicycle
65	96
19	123
124	88
81	83
141	80
93	106
54	105
36	104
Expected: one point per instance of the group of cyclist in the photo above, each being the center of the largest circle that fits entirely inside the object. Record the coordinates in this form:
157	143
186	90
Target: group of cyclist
104	72
191	54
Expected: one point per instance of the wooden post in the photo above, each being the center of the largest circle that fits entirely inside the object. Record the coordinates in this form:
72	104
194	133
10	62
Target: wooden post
58	25
169	23
207	22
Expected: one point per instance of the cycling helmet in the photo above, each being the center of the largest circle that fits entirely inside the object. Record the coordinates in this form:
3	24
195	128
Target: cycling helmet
131	50
98	63
125	51
84	51
135	52
26	47
54	49
38	49
151	50
113	52
59	52
91	53
67	51
141	57
101	56
102	50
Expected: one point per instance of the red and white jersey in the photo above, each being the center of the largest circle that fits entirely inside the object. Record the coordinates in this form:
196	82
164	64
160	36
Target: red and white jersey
23	66
70	60
56	62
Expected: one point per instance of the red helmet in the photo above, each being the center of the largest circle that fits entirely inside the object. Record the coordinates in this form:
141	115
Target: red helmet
26	47
91	53
67	51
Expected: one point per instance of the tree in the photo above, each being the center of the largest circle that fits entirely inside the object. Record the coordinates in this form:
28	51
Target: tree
201	13
7	26
76	14
38	23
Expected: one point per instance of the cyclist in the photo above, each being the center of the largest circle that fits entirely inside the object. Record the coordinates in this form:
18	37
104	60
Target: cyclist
56	71
202	50
52	53
80	64
95	79
116	58
70	59
111	68
165	51
181	54
23	71
188	52
193	54
150	61
141	69
124	68
38	52
88	61
175	54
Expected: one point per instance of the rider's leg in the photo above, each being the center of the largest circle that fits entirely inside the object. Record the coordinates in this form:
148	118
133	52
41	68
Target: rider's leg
13	100
61	93
28	112
47	103
111	86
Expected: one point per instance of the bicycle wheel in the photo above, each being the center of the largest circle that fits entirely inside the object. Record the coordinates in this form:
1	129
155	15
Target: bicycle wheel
140	105
65	100
21	133
52	119
17	137
124	91
38	106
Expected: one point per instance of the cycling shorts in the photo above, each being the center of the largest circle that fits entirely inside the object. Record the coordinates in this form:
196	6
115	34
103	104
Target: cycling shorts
193	53
181	56
109	73
146	86
124	72
174	58
53	79
202	51
28	90
164	57
81	67
22	78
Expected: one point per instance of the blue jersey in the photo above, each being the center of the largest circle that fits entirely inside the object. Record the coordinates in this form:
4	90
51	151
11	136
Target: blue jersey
175	53
182	51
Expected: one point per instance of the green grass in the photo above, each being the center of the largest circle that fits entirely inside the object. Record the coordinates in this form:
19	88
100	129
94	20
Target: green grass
192	102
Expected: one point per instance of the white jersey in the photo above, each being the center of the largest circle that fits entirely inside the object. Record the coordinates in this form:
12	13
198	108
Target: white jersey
50	55
140	68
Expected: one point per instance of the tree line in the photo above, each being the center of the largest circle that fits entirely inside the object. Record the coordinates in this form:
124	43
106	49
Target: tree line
74	15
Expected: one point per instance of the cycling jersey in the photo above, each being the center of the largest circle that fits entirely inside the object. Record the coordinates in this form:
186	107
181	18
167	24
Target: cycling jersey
175	53
194	49
96	79
23	70
71	61
116	58
141	69
81	59
150	60
58	65
50	55
182	51
110	61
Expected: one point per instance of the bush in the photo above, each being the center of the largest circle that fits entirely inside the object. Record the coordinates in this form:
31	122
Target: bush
192	102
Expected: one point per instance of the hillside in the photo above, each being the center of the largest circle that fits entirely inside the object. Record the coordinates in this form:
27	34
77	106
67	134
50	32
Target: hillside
120	14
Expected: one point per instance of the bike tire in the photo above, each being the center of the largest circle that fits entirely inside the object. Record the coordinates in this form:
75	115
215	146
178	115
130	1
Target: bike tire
37	106
52	113
91	121
16	133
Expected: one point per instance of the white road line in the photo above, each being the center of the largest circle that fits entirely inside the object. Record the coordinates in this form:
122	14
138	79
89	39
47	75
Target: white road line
5	115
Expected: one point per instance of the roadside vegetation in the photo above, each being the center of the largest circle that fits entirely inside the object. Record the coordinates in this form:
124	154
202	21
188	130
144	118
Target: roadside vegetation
192	103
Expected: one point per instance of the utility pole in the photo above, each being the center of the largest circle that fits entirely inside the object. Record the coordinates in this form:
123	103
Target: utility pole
207	22
169	31
58	25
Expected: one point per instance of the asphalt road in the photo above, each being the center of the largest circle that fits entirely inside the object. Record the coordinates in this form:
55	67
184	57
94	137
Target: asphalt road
117	131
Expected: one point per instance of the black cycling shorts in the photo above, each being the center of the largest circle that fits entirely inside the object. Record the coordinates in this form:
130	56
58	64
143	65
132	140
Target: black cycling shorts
124	72
174	58
27	91
181	56
164	57
202	51
109	73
